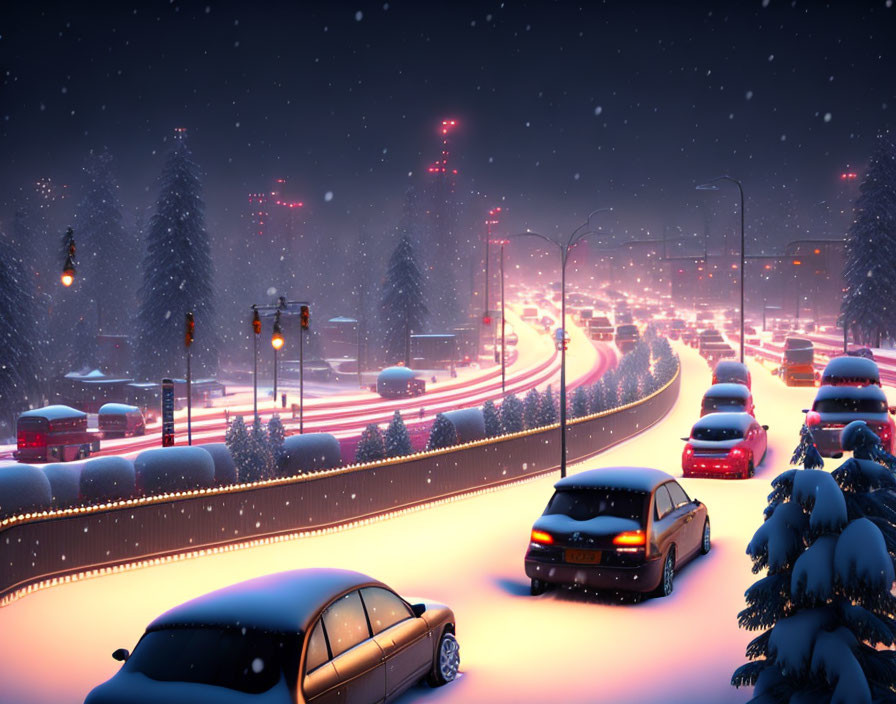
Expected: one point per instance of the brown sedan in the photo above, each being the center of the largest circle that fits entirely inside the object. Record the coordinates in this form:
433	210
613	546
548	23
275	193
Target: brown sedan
620	528
315	635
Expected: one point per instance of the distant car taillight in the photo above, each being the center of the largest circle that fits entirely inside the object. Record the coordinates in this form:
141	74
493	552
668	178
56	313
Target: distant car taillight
630	538
737	453
688	451
883	432
542	538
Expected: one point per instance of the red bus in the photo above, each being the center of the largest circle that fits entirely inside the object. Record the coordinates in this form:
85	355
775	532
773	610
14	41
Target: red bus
54	434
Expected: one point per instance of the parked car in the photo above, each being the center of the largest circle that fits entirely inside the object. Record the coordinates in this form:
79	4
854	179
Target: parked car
54	434
627	336
727	398
310	635
724	446
850	371
835	407
625	528
797	363
730	372
118	420
676	328
398	382
601	328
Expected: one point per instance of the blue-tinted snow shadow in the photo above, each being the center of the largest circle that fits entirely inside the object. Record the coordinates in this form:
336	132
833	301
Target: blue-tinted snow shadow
513	587
520	588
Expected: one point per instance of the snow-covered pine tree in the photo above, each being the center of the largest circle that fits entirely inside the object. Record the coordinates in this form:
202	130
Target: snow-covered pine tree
531	408
403	307
177	276
806	454
20	371
610	380
870	246
648	384
237	440
548	411
260	463
397	439
492	421
825	606
442	434
107	252
579	402
597	397
276	436
371	447
628	387
512	414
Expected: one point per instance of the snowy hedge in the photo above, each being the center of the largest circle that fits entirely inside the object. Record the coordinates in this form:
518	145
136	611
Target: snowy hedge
107	479
309	452
65	483
225	468
24	489
169	469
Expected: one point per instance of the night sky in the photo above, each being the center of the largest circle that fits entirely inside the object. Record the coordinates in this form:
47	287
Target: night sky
564	107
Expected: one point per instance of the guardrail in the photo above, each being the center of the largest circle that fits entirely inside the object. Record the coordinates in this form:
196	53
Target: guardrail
38	550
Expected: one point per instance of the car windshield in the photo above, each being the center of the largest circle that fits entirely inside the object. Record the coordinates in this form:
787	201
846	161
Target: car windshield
717	434
716	403
245	660
585	504
850	405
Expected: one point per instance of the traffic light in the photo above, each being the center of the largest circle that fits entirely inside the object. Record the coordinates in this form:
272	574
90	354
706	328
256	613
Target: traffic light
277	336
189	330
68	268
486	319
256	322
305	317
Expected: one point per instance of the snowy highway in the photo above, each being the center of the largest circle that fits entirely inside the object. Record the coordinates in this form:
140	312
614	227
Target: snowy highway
560	647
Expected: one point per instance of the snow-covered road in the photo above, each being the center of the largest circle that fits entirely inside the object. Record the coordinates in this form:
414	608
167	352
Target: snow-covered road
561	647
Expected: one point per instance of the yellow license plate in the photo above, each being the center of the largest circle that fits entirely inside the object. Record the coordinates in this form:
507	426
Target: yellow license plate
582	557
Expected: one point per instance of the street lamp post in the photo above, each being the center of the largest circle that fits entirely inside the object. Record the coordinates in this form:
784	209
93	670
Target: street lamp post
564	247
256	331
276	343
710	186
503	324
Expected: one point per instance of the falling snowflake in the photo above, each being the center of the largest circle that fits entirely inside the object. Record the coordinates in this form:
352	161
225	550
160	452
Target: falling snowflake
359	16
328	196
827	117
257	665
598	110
749	95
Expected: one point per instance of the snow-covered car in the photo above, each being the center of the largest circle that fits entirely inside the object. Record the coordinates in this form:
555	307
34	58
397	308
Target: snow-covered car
835	407
850	371
729	372
724	446
310	635
727	398
619	528
118	420
627	336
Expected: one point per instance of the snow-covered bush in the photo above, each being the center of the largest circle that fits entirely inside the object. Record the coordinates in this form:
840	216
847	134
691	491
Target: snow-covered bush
371	447
309	452
166	470
237	440
610	380
512	414
23	489
532	408
825	607
107	479
491	419
397	439
225	467
442	434
65	482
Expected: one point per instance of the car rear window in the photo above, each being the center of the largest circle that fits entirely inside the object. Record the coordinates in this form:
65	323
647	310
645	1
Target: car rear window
244	660
850	405
585	504
717	434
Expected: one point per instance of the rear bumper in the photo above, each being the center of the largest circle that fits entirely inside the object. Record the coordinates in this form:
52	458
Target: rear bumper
641	578
712	468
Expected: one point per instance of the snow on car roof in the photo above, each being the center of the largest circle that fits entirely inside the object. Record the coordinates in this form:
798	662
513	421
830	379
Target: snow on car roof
852	367
857	392
284	602
727	391
722	421
632	478
56	412
118	408
729	367
396	374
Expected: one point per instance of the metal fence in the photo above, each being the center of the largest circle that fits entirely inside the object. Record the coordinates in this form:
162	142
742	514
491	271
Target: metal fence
52	547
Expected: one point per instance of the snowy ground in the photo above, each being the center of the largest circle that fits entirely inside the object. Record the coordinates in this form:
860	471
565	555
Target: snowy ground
561	647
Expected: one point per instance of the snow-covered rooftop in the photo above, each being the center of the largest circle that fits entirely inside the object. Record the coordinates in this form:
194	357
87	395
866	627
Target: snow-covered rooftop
117	408
632	478
281	602
727	367
56	412
851	368
396	374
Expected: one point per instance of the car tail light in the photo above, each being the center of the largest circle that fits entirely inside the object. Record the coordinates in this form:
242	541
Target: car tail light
737	453
883	432
539	536
631	538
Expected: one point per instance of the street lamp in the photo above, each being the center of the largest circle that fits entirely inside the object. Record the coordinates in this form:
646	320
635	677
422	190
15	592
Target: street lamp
493	216
68	269
563	247
276	342
710	186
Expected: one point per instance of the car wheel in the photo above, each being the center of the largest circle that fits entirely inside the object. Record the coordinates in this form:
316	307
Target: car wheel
706	540
667	581
444	669
751	470
538	587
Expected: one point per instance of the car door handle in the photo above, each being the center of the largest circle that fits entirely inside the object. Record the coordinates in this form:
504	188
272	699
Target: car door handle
689	518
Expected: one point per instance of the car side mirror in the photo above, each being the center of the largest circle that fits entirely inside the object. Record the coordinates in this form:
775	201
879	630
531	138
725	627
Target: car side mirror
685	439
122	654
418	609
805	410
765	427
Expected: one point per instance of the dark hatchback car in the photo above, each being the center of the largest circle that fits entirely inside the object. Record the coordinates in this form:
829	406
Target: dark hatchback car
730	372
311	635
835	407
617	528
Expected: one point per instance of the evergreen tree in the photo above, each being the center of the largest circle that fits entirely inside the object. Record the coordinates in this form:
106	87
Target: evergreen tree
237	440
628	388
531	408
512	414
177	276
442	434
579	402
397	440
548	411
276	436
806	454
870	248
491	418
371	447
260	464
20	369
610	380
825	606
403	309
106	250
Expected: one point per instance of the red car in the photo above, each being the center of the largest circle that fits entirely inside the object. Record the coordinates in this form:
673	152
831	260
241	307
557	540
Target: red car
727	398
724	446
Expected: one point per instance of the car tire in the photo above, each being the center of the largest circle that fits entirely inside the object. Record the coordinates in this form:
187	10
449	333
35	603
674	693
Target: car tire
751	470
706	539
667	579
538	587
447	660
